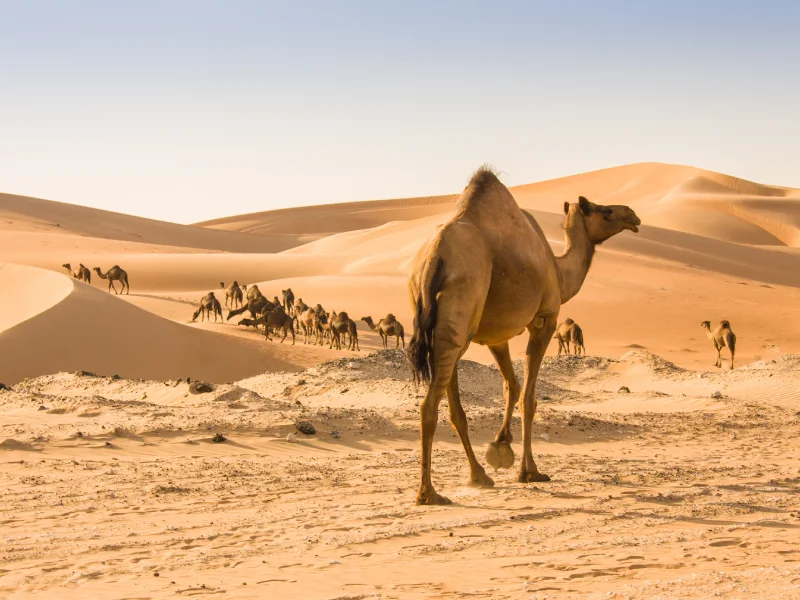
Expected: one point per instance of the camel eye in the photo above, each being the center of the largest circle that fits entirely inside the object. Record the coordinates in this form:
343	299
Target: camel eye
608	214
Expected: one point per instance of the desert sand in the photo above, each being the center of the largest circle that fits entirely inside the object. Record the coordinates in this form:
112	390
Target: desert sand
685	486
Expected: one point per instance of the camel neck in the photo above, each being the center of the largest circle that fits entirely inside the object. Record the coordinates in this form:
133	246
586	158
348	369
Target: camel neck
574	263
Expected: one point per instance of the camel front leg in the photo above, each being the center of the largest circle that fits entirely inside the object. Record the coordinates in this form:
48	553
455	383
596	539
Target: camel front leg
499	453
537	345
477	474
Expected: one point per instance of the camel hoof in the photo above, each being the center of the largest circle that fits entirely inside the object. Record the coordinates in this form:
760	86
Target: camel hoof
532	477
499	455
482	481
432	499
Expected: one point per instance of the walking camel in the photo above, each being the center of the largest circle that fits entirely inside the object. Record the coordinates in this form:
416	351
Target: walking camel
115	273
386	328
486	276
233	293
288	301
723	337
208	305
81	273
570	332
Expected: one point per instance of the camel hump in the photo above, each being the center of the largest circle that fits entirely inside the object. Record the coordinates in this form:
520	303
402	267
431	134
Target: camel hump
485	192
343	316
725	323
390	317
569	321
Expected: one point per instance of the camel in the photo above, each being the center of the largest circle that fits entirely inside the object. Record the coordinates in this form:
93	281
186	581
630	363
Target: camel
278	319
386	327
577	340
233	293
564	335
340	324
208	305
81	273
723	337
114	274
288	301
256	307
486	276
299	307
251	322
253	293
308	323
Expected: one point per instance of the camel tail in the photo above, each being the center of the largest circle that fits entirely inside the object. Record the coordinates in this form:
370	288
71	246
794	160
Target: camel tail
420	348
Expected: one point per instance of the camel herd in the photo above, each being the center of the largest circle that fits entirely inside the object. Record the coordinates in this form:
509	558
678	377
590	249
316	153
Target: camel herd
115	273
287	314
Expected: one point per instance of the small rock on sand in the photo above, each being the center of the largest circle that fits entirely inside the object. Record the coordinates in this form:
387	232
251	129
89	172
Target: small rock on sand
200	387
218	438
545	437
336	435
305	427
717	395
291	438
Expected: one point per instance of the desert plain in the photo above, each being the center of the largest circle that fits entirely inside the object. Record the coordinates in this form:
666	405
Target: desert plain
670	477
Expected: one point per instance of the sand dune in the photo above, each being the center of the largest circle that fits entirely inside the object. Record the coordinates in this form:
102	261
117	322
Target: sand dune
34	215
59	324
675	197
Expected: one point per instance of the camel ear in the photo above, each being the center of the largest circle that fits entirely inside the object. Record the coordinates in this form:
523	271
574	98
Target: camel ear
566	208
586	206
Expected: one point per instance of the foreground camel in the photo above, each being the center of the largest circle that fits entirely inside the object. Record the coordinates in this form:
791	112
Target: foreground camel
81	273
115	274
288	301
233	293
486	276
386	328
208	305
722	337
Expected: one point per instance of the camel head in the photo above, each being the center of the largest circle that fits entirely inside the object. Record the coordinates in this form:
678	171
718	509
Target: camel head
195	315
706	325
235	283
98	270
67	266
222	285
367	320
602	222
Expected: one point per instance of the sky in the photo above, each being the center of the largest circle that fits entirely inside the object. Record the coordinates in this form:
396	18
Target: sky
189	110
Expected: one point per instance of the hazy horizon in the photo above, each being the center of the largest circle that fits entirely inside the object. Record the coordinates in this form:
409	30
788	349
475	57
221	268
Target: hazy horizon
190	111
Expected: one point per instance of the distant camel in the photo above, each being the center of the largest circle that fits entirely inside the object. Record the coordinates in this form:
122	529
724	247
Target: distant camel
564	335
288	301
81	273
256	308
386	328
208	305
278	319
253	293
339	325
251	322
233	293
115	274
308	323
722	337
577	340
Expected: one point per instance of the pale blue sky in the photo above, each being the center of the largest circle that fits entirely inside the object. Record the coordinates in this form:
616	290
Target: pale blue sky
188	110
